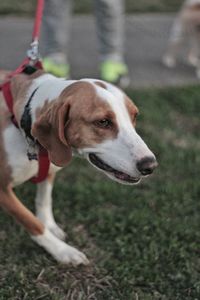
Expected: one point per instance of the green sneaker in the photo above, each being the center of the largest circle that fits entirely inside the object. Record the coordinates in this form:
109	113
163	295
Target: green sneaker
115	72
60	70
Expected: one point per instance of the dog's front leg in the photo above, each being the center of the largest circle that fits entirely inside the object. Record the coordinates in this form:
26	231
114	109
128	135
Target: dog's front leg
43	203
41	235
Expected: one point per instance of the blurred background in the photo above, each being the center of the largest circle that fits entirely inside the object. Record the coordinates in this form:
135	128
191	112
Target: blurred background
27	7
147	29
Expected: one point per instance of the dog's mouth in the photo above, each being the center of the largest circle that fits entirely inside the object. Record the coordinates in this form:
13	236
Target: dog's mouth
121	176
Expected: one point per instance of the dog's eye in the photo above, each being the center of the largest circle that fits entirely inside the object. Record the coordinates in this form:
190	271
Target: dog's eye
104	123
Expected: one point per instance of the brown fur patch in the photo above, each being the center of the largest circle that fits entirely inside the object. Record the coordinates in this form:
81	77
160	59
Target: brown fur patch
132	109
19	87
10	203
86	107
3	75
20	83
5	170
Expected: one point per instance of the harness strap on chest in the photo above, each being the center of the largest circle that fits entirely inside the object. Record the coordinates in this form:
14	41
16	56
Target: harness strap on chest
43	159
44	163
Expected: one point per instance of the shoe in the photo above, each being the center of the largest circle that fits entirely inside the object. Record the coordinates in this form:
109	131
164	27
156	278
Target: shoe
60	70
115	72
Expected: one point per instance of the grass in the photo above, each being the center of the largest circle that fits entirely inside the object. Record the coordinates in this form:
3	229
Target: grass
27	7
143	242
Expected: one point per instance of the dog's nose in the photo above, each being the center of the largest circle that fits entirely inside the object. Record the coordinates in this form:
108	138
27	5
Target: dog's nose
146	165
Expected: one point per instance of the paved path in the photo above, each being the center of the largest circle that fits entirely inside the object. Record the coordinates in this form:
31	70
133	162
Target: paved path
146	41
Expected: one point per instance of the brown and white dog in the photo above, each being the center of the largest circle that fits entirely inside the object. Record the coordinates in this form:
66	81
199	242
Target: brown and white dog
186	27
87	117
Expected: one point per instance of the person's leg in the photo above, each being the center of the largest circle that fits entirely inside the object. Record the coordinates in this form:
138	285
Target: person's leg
175	41
110	32
56	27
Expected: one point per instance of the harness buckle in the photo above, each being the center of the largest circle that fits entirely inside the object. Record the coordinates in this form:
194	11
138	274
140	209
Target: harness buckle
33	52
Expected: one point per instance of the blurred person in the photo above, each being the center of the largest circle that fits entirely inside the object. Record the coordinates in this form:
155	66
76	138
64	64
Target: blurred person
110	31
186	27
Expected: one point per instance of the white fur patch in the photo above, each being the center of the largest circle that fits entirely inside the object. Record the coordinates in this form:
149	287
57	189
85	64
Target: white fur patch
16	150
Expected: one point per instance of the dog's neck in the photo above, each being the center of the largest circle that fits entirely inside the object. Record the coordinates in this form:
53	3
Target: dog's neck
48	88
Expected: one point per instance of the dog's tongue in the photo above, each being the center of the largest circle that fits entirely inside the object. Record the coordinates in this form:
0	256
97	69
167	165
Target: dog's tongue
124	177
121	176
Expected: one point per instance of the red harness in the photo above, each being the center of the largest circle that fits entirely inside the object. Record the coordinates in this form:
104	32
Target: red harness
33	60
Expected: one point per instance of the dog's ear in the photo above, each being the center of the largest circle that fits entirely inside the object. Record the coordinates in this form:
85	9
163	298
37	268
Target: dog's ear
49	130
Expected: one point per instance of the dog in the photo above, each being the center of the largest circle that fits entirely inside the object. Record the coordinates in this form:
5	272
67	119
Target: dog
186	27
87	117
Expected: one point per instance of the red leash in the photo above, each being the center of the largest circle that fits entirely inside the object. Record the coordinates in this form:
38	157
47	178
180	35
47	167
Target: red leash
32	60
38	20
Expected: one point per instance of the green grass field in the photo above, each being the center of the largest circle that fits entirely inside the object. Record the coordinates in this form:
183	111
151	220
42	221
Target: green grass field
85	6
143	242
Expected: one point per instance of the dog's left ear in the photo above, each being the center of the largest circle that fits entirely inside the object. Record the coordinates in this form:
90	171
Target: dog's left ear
49	130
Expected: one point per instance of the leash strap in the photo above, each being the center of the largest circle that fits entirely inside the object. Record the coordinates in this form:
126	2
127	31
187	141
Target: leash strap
33	52
38	20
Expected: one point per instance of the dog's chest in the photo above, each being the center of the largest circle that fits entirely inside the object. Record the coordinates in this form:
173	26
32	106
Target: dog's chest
15	147
16	150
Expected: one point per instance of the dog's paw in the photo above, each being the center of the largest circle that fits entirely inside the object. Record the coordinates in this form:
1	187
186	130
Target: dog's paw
70	255
169	61
61	251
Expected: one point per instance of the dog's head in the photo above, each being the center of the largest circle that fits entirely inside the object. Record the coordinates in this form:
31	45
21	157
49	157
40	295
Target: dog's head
96	120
